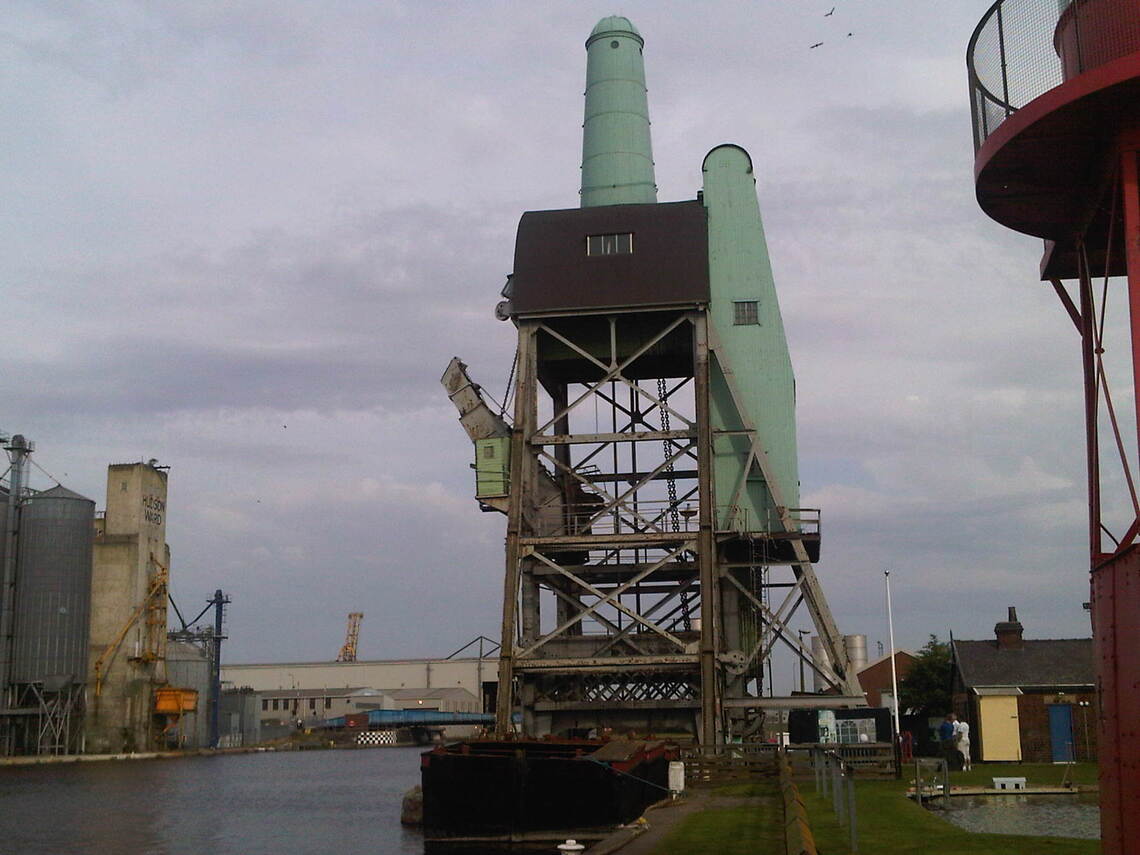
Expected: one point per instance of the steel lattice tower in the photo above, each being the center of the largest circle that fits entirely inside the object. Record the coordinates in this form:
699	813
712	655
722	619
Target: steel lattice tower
655	550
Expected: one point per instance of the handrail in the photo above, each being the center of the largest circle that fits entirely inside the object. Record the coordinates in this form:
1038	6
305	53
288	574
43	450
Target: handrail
1023	48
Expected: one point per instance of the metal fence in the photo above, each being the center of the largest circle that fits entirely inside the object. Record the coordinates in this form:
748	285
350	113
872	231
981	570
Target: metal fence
1023	48
835	780
725	764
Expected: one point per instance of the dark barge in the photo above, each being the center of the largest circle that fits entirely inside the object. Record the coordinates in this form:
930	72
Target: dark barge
513	789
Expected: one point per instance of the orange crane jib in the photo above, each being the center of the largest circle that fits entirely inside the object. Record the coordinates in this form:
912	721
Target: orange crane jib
348	651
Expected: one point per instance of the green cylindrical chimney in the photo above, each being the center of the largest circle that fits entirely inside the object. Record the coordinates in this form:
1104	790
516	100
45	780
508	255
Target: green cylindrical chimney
617	158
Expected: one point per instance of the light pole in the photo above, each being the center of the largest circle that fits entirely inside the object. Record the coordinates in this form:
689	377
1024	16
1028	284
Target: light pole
894	672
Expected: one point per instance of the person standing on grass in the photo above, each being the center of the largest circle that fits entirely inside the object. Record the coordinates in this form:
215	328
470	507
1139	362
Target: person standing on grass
962	737
946	738
946	729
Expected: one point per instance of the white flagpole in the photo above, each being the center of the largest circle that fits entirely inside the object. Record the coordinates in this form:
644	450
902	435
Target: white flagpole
894	672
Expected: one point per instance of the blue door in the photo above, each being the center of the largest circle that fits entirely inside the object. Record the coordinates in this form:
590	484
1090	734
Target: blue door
1061	732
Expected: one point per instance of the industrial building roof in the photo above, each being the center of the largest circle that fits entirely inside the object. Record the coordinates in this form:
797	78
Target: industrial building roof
1041	663
60	492
312	693
440	693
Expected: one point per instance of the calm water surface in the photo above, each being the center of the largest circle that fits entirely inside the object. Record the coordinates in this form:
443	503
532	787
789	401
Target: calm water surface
1059	816
288	802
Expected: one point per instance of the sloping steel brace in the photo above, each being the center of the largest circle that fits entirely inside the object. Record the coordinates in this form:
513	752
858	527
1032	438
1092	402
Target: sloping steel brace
669	393
612	402
803	571
615	502
605	599
665	600
602	619
774	624
778	627
1102	374
613	373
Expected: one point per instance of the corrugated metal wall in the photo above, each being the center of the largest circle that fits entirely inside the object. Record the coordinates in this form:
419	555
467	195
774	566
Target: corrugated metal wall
188	667
53	589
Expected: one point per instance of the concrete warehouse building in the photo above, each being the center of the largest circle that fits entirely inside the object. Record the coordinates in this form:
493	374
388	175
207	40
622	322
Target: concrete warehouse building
477	676
282	709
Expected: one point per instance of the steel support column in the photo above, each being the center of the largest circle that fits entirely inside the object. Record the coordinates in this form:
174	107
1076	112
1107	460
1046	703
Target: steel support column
1115	582
524	419
706	557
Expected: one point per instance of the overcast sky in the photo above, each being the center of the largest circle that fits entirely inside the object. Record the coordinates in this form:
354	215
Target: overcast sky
246	237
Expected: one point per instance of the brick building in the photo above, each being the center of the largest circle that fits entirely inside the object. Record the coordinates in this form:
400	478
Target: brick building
875	678
1026	700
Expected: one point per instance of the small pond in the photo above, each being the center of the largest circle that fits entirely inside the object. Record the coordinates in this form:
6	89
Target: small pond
1043	816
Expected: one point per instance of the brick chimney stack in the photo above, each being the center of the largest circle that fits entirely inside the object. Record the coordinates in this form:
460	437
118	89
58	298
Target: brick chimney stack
1009	632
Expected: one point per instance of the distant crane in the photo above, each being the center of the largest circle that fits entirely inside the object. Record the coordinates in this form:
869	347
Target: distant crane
348	652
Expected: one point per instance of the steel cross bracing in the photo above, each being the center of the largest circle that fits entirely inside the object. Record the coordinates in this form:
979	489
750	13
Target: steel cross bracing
636	633
805	589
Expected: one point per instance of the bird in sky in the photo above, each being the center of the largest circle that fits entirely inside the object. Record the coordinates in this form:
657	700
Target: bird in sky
829	14
813	47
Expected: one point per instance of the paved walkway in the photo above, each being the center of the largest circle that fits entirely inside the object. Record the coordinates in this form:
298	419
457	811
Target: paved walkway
660	819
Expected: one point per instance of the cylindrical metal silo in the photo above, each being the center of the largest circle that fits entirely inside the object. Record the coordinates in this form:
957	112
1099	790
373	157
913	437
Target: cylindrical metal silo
53	588
856	651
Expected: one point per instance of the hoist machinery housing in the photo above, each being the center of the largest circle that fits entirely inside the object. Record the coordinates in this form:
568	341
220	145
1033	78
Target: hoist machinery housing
656	550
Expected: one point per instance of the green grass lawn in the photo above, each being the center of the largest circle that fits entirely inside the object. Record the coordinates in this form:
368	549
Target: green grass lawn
1035	774
888	821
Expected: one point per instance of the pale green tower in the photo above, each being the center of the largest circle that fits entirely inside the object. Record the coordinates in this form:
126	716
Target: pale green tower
750	345
617	159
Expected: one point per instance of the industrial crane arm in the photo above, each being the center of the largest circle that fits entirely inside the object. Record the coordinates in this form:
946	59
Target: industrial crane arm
157	587
348	651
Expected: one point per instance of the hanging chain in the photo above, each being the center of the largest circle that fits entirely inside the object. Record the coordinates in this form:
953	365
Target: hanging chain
667	448
671	483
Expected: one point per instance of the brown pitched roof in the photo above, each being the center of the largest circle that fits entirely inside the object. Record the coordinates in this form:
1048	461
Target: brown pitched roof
1042	662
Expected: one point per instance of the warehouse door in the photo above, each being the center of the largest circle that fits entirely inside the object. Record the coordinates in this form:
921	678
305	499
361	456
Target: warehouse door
1061	732
1001	728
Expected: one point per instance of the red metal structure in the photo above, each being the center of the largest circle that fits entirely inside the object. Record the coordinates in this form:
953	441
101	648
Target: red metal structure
1055	92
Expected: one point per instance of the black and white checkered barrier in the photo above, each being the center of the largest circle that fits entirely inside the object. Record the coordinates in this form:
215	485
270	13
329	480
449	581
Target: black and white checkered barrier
376	737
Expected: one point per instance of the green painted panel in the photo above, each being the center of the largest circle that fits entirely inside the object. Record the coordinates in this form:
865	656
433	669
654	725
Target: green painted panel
745	316
492	467
617	158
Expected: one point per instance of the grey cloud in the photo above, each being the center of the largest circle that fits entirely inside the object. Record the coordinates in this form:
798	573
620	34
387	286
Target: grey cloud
226	218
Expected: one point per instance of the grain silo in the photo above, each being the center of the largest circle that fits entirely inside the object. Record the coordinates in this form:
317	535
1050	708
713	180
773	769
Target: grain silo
53	597
856	651
52	606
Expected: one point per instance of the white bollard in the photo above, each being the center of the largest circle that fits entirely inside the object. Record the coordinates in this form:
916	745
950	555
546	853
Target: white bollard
571	846
676	778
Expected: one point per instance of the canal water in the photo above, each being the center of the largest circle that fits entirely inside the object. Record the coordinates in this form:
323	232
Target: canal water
274	802
1043	816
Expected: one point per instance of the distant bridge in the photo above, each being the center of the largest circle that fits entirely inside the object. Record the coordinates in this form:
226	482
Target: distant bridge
412	718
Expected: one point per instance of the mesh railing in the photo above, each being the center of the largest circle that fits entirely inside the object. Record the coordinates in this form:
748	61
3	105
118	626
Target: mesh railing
1023	48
